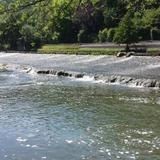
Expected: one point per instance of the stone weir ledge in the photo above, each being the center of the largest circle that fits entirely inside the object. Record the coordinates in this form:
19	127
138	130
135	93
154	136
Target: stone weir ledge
99	78
112	79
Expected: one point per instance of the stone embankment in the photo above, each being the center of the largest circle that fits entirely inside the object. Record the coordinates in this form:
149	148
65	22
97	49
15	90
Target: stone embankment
114	79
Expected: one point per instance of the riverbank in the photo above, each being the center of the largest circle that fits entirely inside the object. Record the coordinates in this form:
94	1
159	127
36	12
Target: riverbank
100	49
76	49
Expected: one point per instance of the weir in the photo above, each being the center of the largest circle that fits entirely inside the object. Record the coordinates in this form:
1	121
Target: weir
142	71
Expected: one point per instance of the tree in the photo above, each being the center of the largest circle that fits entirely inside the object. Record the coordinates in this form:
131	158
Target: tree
126	32
113	12
151	20
35	22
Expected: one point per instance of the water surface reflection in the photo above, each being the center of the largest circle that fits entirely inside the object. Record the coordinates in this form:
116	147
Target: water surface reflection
57	119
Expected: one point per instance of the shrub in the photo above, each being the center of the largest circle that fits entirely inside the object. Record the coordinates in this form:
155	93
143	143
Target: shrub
110	34
92	38
143	34
85	37
55	37
102	35
156	34
5	46
82	36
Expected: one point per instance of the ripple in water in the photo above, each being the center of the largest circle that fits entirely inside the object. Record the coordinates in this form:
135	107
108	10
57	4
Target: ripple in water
61	119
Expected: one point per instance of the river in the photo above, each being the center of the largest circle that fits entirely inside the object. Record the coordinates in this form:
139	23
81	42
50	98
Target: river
46	117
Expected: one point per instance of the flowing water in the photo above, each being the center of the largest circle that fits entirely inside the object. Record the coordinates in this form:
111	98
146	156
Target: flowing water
45	117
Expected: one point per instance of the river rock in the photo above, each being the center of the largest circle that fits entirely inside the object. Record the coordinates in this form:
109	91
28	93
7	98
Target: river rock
130	54
80	75
121	54
54	72
138	82
63	73
112	79
149	83
126	80
101	77
28	70
96	77
43	72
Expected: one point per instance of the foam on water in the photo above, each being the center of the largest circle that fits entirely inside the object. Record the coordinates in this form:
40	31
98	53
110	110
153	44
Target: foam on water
135	99
87	79
88	60
20	139
116	61
2	55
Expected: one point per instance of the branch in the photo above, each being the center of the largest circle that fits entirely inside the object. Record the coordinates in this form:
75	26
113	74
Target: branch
22	7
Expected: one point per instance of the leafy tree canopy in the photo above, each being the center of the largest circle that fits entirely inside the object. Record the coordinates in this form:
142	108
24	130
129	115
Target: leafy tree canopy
29	23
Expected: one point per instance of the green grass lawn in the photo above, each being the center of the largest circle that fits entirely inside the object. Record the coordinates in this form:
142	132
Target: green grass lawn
76	49
154	51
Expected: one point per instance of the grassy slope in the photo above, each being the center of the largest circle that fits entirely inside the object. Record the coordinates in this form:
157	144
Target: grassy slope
75	49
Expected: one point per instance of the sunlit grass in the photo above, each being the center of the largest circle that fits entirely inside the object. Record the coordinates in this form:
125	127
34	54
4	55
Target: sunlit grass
75	49
154	51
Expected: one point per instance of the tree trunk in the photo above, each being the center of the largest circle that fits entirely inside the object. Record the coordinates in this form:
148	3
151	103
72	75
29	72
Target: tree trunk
151	34
127	48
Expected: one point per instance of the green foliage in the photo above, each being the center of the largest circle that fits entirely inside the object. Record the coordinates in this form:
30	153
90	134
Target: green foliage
113	12
143	33
103	35
151	18
26	24
82	36
156	34
154	51
55	37
126	32
110	34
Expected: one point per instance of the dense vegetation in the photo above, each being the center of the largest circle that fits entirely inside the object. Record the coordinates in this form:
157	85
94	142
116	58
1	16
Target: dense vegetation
26	24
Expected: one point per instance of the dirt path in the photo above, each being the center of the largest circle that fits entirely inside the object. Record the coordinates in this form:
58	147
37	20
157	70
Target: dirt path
146	44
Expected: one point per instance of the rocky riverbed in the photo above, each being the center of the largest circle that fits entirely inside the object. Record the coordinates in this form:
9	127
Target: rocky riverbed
131	71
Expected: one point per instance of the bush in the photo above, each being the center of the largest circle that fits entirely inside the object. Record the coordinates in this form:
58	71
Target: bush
102	35
55	37
92	38
156	34
82	36
5	46
143	34
28	39
110	35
